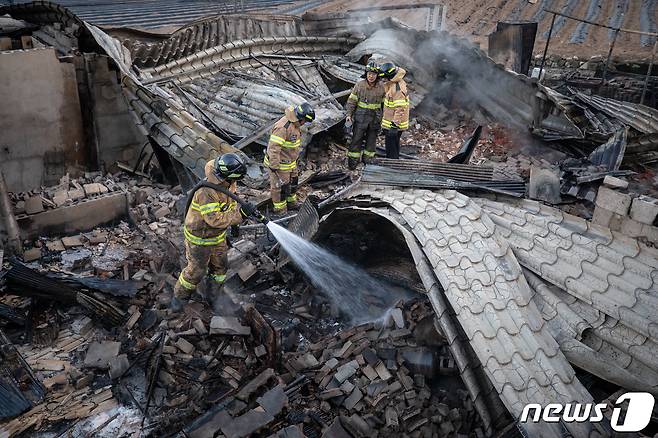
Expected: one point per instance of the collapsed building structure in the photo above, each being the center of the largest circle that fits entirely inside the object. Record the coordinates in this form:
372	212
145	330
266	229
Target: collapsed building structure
532	304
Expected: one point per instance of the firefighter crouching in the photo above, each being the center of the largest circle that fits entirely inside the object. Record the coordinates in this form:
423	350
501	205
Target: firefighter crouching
207	221
364	111
283	150
396	107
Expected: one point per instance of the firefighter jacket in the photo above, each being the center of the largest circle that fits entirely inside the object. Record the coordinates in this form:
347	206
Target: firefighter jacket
211	213
365	100
396	102
285	143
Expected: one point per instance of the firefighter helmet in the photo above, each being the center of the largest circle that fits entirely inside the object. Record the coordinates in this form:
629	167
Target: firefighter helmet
388	70
304	112
372	67
230	167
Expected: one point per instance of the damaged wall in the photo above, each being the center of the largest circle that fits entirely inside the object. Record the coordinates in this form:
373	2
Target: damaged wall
41	93
117	136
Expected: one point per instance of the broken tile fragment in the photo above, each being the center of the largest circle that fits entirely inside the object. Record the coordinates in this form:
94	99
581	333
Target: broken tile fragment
118	365
99	354
228	325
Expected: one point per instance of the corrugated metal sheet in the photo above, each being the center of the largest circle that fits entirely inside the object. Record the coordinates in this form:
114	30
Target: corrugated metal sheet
208	33
157	13
239	54
639	117
241	103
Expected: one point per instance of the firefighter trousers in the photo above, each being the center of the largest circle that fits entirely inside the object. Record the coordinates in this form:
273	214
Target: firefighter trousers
201	259
363	133
283	189
392	141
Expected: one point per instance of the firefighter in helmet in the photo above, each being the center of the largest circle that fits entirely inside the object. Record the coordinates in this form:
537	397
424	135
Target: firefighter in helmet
396	107
282	153
211	213
364	112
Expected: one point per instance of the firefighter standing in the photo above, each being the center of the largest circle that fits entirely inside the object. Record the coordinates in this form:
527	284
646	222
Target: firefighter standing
364	110
281	157
396	107
210	214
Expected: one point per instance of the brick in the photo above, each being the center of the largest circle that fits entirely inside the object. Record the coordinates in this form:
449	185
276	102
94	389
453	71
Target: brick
32	254
185	346
33	205
346	371
26	42
330	393
5	43
613	200
260	351
76	194
199	326
614	182
55	245
602	217
72	241
93	189
353	399
382	372
391	417
229	325
644	209
161	212
369	372
347	387
118	366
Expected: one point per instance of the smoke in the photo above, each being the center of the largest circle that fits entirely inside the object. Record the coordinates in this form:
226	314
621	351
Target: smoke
449	69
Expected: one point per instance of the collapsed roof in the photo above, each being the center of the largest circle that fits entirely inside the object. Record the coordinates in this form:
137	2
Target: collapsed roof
522	292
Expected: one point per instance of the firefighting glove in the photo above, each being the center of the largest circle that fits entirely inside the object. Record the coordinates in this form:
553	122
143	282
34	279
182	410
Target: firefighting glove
235	231
249	210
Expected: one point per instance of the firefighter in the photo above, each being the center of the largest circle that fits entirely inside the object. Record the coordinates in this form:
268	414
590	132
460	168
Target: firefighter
210	215
396	107
283	150
364	111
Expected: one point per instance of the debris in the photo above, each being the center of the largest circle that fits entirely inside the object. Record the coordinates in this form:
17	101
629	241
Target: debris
615	183
118	365
34	205
100	354
228	325
614	201
644	209
544	185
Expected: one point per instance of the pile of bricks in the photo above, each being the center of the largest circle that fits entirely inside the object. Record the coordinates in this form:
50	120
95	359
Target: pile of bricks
67	192
631	214
370	379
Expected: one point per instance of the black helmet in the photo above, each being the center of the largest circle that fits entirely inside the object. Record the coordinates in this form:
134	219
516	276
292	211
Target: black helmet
304	112
388	70
372	67
230	167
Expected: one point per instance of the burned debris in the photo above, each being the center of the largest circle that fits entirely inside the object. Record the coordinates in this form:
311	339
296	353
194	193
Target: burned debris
494	249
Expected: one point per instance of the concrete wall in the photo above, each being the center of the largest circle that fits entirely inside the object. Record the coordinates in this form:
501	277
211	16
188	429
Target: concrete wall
41	136
118	136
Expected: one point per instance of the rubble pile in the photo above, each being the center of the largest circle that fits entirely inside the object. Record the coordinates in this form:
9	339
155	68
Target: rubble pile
362	381
68	192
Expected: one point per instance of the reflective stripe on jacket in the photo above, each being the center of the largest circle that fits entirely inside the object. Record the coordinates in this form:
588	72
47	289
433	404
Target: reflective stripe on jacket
365	97
284	144
396	102
211	213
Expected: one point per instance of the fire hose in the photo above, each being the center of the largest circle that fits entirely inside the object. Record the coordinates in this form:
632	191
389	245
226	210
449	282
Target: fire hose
205	183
